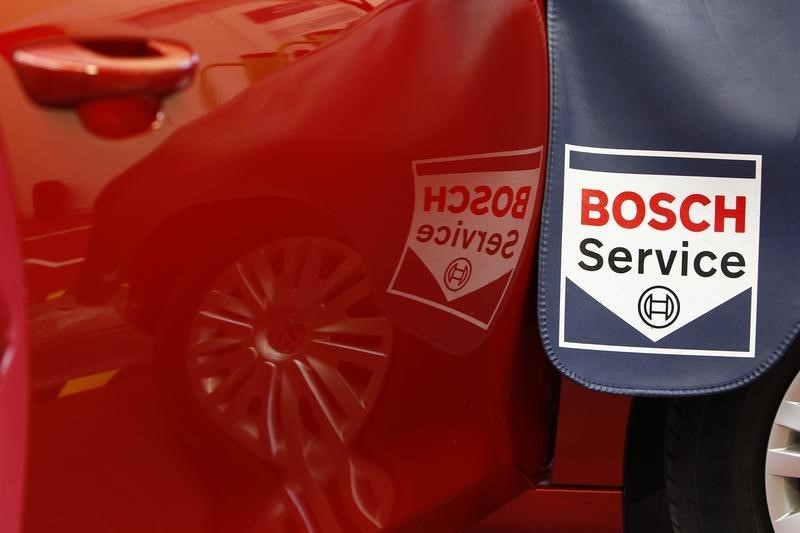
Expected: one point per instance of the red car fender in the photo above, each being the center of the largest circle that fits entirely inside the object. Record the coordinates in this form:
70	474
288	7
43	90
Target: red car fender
401	94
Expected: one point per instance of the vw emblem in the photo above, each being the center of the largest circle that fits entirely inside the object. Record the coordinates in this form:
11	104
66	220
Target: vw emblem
287	334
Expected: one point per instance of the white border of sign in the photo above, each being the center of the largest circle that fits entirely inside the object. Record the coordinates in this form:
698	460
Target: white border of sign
662	351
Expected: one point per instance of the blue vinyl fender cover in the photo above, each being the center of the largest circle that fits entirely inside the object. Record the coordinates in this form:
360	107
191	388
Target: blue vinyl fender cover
668	256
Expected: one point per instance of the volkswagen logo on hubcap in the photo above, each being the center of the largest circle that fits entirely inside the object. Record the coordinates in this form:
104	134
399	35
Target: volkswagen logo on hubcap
287	334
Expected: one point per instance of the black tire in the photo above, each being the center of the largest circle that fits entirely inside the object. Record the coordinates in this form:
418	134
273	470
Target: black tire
715	452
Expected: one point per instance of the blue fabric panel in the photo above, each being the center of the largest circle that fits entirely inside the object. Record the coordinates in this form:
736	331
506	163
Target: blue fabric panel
674	77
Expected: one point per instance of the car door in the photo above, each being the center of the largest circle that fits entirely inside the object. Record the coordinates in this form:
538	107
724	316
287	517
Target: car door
14	389
236	324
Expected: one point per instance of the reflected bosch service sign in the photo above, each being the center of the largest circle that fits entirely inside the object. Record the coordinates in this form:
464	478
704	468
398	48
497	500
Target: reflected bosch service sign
471	220
665	241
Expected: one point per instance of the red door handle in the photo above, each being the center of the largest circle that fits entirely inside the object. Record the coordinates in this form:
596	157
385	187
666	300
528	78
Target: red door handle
67	72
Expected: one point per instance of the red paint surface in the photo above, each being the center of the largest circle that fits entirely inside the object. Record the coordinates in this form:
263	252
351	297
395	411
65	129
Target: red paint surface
14	381
590	437
10	39
557	510
462	421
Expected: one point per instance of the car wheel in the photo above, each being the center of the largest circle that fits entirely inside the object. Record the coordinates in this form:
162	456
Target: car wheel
279	354
782	475
289	322
732	460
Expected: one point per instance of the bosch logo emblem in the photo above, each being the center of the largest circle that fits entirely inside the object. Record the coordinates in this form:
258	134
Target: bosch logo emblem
457	273
288	334
659	307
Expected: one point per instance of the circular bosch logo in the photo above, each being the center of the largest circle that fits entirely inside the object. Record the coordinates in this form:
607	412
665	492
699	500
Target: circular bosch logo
287	335
659	307
457	274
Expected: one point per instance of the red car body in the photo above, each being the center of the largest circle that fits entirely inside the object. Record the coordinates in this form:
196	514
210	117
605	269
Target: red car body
463	428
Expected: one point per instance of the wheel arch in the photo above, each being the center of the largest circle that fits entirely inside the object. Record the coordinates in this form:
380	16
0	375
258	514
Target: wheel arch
185	233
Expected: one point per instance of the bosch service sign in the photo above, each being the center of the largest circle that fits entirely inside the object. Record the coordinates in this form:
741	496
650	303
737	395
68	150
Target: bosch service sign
471	220
665	244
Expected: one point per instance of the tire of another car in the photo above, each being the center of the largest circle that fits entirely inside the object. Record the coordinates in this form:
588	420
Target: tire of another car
715	455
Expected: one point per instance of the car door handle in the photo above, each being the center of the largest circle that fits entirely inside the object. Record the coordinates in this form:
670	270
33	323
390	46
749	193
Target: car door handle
70	71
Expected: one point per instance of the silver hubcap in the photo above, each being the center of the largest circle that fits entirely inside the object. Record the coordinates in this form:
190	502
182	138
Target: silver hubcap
287	354
782	478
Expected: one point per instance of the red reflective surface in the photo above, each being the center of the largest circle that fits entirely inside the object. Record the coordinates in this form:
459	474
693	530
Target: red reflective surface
14	367
590	437
221	333
557	510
